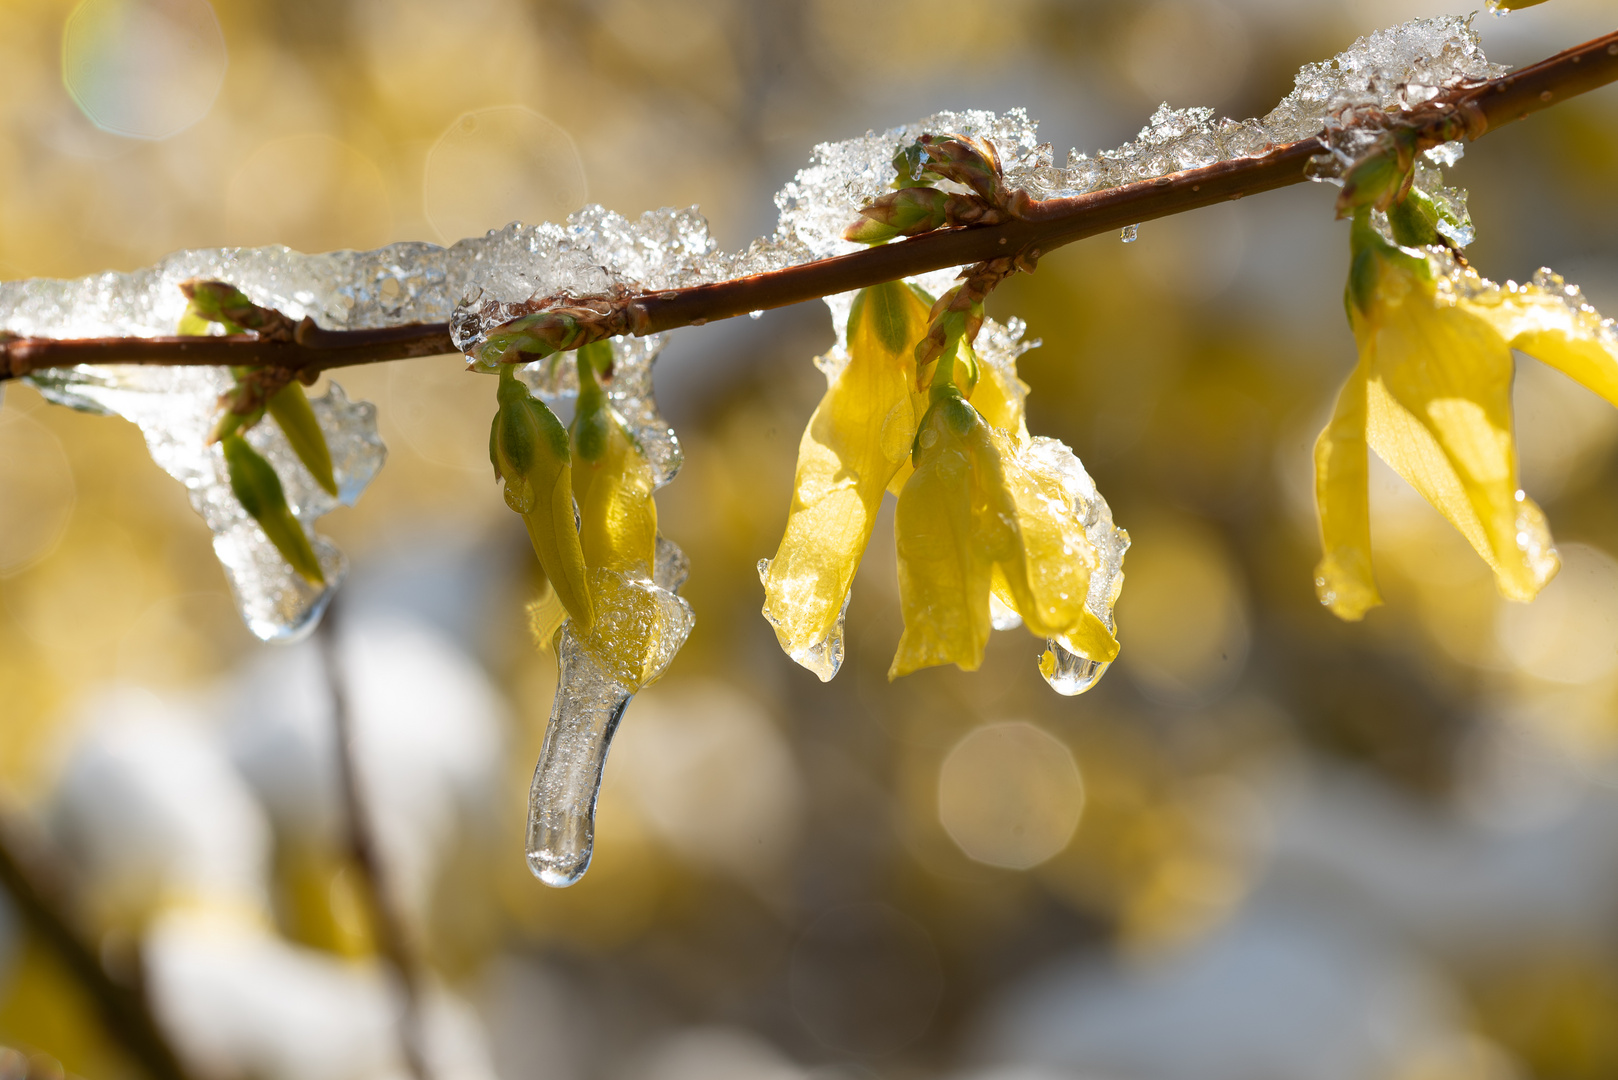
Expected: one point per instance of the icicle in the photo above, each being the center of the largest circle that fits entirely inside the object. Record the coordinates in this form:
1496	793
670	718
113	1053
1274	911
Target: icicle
585	714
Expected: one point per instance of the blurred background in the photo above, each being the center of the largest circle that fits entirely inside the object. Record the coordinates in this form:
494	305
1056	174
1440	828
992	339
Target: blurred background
1267	845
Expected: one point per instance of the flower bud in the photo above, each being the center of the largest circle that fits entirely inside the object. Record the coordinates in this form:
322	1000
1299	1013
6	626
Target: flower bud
906	212
972	162
528	447
531	337
258	489
290	408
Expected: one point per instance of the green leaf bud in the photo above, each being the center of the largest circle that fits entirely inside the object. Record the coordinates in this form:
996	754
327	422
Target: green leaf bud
907	212
528	447
292	412
258	489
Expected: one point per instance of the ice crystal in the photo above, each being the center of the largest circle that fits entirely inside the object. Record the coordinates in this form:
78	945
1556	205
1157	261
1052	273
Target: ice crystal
175	409
1391	70
589	704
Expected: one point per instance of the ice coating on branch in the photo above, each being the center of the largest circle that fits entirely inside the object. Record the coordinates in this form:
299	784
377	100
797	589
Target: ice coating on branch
1067	671
1393	70
175	409
589	704
556	378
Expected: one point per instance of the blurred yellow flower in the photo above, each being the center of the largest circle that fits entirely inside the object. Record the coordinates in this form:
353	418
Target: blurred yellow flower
1432	396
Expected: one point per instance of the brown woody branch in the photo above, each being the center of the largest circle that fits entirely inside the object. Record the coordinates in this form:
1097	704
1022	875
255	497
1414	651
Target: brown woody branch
1463	112
387	921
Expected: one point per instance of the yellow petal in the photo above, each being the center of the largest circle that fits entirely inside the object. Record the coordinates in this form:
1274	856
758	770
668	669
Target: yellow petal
617	513
638	627
555	538
1047	576
943	570
1439	411
1343	578
1547	321
857	439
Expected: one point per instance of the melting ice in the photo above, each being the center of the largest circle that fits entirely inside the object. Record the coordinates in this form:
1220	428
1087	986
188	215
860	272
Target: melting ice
589	704
474	284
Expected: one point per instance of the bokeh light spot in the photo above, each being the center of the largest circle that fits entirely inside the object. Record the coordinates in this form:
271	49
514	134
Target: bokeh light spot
143	68
1184	612
498	165
309	192
713	776
1010	795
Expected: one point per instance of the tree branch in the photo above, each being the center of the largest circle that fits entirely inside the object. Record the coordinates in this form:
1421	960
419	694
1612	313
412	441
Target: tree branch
1462	112
36	888
392	937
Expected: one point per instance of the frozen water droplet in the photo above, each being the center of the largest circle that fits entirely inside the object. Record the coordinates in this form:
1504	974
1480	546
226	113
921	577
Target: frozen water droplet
1068	673
825	656
1129	233
757	314
585	714
562	798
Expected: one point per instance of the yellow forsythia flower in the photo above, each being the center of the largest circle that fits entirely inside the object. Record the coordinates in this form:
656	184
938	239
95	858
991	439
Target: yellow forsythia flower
613	483
1431	394
857	439
986	514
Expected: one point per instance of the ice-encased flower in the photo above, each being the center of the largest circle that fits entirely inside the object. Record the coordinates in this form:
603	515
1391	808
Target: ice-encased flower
1431	394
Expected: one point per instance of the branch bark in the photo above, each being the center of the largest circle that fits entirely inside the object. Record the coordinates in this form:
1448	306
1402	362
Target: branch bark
1468	111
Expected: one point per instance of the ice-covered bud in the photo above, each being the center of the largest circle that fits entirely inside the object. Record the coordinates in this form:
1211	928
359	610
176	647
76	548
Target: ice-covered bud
1381	177
296	419
909	167
531	337
258	489
528	447
906	212
223	303
972	162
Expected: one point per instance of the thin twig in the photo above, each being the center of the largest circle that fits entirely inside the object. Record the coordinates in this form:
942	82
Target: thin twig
393	939
1462	112
38	890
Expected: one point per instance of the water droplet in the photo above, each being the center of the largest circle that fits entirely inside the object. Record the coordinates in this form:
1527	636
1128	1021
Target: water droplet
1129	233
1068	673
758	314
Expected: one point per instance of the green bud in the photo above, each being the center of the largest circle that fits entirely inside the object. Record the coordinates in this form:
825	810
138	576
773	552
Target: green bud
218	301
907	212
531	337
593	414
1414	220
907	167
258	489
1380	177
528	447
292	412
967	161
